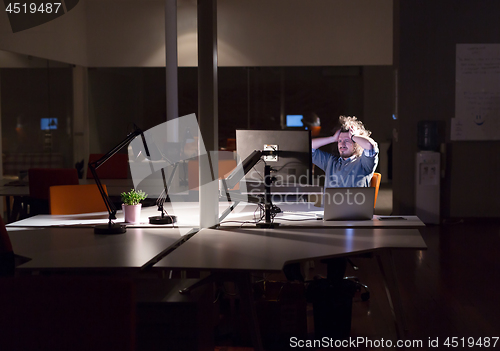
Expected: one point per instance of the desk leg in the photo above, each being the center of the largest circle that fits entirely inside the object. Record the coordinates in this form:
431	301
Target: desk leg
244	281
385	259
9	212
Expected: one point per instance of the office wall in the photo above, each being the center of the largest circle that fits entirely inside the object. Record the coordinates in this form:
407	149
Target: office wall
131	33
429	32
250	33
63	39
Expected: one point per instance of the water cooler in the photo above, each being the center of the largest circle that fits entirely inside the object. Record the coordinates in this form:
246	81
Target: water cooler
428	174
428	186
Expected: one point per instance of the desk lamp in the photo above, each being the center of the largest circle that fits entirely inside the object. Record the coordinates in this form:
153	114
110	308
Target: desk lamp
113	228
240	171
162	219
165	218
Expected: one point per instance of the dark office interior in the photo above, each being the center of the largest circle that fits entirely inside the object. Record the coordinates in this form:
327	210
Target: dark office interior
448	290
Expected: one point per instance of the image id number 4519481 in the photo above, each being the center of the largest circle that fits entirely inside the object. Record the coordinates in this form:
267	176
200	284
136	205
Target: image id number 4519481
31	7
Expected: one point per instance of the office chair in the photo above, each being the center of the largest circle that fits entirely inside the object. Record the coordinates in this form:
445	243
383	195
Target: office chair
374	183
225	167
114	168
73	199
40	181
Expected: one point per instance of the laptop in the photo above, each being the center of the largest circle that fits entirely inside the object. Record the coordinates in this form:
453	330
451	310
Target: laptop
344	204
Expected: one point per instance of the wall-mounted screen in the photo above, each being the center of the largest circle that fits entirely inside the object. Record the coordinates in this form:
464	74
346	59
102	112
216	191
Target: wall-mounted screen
48	123
294	120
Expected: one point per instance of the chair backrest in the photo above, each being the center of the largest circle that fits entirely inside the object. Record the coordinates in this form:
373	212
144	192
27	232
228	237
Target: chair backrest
375	183
41	179
114	168
67	313
225	168
73	199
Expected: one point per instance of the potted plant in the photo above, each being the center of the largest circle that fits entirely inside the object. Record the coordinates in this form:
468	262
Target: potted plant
132	205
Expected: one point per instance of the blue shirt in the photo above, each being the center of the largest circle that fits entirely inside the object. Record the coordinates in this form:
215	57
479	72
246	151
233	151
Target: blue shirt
356	171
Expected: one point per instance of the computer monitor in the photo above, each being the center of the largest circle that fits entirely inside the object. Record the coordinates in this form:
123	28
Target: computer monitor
291	159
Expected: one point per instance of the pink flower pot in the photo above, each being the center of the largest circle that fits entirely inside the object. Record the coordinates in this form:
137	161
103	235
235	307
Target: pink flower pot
132	213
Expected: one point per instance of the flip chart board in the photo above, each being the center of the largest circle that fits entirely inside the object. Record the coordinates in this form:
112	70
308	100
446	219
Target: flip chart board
477	92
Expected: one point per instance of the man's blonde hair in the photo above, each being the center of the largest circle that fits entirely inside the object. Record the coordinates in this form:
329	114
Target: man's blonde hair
345	124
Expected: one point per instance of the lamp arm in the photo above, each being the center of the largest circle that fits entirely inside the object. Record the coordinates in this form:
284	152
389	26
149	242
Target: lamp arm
93	166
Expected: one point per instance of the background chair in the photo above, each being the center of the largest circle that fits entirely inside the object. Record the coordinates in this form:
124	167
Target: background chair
375	183
225	168
114	168
73	199
40	181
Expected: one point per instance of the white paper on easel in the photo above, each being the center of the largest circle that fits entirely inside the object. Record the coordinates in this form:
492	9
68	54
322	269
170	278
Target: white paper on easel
456	129
477	92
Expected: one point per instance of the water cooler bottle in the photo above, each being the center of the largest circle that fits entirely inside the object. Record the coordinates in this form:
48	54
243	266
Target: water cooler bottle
428	173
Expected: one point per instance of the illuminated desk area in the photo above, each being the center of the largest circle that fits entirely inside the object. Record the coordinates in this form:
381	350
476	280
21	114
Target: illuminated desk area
68	243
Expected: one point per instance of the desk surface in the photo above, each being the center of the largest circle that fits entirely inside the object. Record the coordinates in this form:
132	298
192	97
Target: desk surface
269	249
65	248
303	214
294	215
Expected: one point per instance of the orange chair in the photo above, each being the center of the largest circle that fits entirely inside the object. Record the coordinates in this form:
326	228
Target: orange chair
41	179
375	183
73	199
225	168
114	168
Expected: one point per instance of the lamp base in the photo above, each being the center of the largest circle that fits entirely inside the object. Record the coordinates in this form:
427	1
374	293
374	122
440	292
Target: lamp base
110	229
267	225
162	220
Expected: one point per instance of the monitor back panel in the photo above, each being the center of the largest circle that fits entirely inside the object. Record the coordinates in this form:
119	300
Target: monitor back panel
293	164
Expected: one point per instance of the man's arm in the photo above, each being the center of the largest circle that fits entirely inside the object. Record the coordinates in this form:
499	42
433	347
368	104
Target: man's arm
319	142
365	142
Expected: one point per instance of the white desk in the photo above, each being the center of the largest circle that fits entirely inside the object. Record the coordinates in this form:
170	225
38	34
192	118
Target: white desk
79	248
295	215
241	251
237	251
188	216
257	249
303	214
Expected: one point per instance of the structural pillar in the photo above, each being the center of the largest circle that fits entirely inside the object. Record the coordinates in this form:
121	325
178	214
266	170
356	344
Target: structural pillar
208	111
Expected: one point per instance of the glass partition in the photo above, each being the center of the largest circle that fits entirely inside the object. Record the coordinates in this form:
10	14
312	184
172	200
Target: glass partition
36	109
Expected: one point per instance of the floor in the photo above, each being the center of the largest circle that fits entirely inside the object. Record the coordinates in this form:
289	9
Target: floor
450	292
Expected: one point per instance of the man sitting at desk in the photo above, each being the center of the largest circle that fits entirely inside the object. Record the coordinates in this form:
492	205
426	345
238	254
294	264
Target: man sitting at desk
354	167
358	155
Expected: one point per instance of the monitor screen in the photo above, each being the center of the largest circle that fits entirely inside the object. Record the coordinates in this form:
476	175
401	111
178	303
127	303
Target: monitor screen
294	121
293	162
48	123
